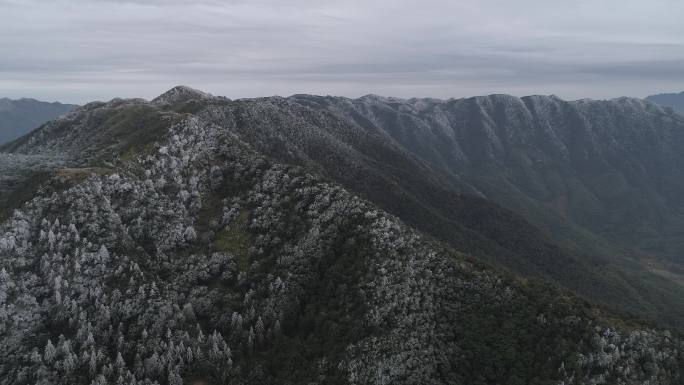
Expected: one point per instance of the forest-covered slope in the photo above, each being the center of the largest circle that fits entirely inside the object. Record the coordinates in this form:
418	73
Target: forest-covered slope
174	242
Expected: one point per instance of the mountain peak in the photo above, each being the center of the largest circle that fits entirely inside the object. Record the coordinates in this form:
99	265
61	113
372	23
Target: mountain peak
375	97
180	94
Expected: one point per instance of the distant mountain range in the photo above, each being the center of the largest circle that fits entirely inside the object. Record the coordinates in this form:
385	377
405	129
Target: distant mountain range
672	100
18	117
316	240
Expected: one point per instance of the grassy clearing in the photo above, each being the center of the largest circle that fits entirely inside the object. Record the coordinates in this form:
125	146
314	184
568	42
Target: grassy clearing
77	175
235	239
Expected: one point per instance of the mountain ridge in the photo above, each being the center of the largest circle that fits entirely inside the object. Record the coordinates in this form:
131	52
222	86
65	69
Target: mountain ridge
200	205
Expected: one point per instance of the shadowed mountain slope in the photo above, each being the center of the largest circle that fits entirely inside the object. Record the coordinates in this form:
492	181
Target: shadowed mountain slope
613	168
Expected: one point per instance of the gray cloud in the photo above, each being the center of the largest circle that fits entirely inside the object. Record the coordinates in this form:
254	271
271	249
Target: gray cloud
80	50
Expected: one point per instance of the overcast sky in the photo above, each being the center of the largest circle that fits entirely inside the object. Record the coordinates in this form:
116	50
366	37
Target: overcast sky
78	50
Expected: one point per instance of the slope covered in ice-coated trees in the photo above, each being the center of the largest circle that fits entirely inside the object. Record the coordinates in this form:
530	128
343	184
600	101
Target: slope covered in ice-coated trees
164	247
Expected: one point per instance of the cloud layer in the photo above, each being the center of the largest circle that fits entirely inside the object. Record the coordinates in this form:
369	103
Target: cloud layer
81	50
